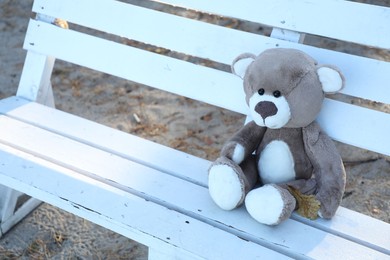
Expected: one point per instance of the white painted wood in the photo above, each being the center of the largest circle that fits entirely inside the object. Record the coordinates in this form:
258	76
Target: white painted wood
47	97
174	253
332	18
117	142
76	189
135	191
347	223
8	197
121	211
10	212
18	214
180	34
164	189
287	35
362	127
169	73
108	139
35	80
4	190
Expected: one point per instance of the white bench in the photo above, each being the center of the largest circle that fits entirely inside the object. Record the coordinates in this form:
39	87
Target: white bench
157	195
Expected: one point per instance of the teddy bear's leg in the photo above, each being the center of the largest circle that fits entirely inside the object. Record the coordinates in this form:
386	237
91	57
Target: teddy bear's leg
270	204
229	182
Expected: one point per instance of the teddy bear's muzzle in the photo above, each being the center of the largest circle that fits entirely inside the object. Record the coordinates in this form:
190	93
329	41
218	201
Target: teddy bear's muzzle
266	109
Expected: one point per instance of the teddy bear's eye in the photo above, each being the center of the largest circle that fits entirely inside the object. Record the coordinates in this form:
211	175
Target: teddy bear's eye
261	91
277	93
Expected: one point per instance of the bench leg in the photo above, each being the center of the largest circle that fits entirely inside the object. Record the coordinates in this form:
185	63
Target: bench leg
34	85
14	206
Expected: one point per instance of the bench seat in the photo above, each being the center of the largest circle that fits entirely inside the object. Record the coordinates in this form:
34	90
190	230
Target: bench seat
123	182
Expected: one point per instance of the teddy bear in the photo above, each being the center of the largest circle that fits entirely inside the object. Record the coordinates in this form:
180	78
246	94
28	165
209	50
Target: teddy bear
282	151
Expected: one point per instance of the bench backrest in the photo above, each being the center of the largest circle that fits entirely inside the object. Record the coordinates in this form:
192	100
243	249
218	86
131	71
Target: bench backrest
110	52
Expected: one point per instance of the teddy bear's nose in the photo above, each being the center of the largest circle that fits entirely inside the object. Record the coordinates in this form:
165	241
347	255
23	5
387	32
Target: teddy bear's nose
266	109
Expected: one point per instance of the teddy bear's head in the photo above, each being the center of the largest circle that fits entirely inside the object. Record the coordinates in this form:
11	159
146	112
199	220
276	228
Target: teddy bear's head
285	87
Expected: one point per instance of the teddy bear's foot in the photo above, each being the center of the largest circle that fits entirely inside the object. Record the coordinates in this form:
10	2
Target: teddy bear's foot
226	184
270	204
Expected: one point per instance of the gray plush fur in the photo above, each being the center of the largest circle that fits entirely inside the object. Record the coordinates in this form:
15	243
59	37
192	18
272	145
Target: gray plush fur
317	165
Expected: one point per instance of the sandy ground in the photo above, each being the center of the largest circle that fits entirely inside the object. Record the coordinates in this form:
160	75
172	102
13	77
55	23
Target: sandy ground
50	233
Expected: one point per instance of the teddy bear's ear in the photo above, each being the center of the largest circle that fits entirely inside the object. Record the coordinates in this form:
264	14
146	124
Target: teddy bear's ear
241	63
331	78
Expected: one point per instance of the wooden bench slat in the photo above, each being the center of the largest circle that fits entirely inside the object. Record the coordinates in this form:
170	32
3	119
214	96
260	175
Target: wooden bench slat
180	34
335	19
346	223
339	120
109	139
205	40
165	193
122	212
290	15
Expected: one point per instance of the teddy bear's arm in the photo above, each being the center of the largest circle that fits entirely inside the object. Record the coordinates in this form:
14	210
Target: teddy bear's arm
243	143
328	169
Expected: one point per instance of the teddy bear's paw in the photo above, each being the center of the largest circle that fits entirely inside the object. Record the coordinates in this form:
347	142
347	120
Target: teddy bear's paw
330	201
326	212
270	204
238	154
225	187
